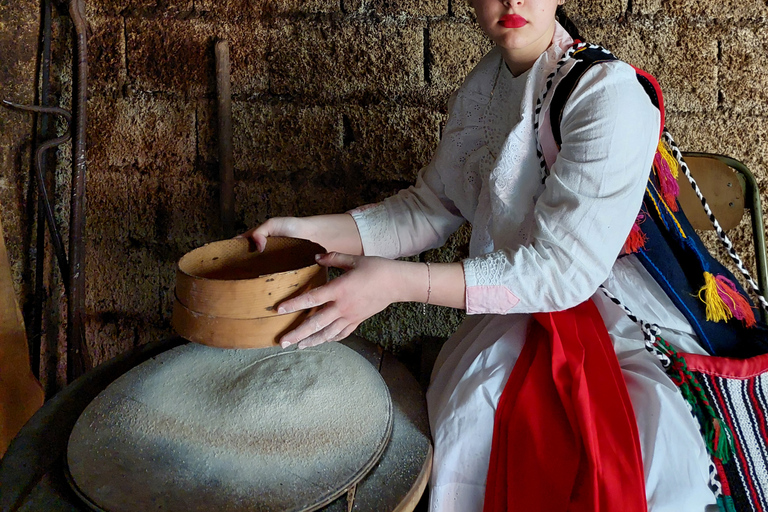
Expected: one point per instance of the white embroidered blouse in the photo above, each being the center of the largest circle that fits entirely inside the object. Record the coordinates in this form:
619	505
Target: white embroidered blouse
535	247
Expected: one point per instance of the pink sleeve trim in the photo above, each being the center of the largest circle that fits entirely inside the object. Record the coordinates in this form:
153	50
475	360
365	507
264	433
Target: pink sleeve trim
496	299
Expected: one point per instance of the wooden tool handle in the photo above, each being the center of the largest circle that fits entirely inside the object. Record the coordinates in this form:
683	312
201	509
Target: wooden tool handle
20	393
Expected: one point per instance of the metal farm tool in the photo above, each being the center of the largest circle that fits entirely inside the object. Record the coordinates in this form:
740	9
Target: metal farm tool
72	268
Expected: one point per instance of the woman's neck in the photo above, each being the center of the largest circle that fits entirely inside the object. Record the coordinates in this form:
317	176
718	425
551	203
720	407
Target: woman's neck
520	60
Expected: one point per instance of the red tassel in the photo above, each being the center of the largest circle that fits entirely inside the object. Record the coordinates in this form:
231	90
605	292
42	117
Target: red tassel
739	306
668	185
636	239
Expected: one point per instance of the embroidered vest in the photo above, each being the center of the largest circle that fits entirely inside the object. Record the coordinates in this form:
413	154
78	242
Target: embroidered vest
704	291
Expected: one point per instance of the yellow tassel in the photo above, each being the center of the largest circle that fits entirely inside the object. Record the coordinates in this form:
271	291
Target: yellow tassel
666	154
717	310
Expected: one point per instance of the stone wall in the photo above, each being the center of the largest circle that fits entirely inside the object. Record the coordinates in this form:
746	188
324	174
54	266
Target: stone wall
18	39
19	27
336	103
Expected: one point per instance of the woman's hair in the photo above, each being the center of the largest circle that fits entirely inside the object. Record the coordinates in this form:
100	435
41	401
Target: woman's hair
567	24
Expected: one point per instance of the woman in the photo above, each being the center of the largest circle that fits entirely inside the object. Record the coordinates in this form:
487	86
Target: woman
536	246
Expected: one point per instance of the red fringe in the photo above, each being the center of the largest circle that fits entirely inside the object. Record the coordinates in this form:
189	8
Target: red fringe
636	239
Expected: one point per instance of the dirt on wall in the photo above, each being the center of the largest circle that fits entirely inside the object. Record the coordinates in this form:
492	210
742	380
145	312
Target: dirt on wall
18	50
336	103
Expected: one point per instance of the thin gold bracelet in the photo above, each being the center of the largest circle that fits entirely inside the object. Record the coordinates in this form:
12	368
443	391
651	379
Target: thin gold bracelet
429	288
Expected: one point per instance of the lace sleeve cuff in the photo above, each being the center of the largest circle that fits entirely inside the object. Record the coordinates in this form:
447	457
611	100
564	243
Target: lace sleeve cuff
484	294
376	234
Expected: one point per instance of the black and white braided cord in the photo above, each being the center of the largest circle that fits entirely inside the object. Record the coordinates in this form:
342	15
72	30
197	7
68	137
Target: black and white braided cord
650	333
714	480
718	229
543	96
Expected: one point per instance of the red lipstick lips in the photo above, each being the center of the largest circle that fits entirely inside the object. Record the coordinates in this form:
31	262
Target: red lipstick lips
512	21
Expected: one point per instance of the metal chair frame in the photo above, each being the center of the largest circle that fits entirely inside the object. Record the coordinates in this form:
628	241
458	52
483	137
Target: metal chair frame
753	204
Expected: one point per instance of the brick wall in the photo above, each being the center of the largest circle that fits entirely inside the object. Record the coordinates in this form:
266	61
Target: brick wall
336	103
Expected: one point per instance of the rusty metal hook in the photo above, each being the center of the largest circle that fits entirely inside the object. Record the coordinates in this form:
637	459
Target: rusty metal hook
58	245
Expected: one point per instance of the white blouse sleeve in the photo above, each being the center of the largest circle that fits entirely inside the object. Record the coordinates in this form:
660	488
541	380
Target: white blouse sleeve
423	216
594	192
415	219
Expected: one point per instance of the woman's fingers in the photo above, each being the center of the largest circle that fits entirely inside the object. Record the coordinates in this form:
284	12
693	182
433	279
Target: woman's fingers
309	300
258	235
331	332
309	327
322	294
276	226
260	240
367	287
327	334
337	260
347	331
323	325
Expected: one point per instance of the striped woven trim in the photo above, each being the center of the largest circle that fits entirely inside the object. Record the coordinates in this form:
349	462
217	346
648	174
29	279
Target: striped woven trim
651	335
742	403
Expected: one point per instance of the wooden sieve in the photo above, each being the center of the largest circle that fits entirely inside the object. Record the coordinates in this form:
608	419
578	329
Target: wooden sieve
227	292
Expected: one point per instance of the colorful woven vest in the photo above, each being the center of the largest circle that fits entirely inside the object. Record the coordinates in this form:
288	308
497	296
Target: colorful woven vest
705	292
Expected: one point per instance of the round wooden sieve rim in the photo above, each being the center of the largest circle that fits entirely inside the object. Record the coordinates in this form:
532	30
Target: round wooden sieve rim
222	332
234	296
247	299
227	250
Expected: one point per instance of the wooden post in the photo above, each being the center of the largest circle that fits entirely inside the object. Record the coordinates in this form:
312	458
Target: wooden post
226	172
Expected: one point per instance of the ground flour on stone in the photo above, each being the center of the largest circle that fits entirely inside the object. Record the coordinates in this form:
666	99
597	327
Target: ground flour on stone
200	428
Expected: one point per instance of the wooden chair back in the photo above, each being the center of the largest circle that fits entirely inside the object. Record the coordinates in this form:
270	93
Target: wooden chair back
720	186
729	188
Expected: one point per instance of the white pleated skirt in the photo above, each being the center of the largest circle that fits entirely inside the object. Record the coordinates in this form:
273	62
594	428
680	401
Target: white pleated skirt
473	367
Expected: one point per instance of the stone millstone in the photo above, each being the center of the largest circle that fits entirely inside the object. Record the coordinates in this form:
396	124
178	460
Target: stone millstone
199	428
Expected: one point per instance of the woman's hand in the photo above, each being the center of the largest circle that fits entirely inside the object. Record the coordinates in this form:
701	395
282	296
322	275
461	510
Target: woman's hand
336	232
276	226
369	285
